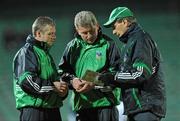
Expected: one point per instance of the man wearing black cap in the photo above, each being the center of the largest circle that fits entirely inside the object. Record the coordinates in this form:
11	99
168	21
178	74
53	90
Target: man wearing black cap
140	75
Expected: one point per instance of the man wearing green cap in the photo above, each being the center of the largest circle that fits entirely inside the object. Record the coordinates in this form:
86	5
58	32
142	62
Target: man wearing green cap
140	75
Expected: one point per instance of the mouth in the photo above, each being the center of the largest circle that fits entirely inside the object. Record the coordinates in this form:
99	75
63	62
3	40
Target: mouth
90	41
53	40
118	35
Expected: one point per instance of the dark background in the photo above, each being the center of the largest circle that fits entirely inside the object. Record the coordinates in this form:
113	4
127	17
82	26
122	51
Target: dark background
161	18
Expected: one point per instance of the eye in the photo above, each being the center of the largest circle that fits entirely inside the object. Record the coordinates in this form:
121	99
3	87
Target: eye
113	27
84	33
92	31
51	33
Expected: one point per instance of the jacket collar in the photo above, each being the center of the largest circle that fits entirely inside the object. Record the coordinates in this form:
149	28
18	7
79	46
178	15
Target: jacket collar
134	27
43	45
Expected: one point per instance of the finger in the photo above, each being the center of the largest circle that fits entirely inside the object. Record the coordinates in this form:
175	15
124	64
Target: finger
62	94
62	90
83	89
64	86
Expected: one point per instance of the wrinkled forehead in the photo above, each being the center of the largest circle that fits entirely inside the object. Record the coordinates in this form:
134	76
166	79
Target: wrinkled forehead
48	28
86	28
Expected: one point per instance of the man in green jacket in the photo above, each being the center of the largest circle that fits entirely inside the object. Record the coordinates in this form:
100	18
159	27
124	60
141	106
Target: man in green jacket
37	88
140	75
90	50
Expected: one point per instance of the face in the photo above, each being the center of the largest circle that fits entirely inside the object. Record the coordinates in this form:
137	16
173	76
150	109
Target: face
119	28
88	34
48	35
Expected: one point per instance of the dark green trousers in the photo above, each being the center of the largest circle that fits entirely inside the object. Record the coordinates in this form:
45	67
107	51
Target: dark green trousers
144	116
98	114
39	114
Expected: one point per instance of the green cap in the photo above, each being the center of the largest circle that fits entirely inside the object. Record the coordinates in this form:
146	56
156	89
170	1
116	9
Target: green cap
118	13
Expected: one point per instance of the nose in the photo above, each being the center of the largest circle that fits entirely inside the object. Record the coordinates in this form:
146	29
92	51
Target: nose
54	37
89	36
114	32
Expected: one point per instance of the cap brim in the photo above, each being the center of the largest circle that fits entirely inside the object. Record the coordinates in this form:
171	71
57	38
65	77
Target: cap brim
109	23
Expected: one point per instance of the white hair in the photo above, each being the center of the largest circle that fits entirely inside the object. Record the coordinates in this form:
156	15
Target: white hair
85	19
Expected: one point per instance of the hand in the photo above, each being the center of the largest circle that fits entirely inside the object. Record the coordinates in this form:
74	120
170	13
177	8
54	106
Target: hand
86	87
82	85
61	87
107	78
77	83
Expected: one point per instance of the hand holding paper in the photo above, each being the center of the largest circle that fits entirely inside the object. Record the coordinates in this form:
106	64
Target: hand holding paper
92	76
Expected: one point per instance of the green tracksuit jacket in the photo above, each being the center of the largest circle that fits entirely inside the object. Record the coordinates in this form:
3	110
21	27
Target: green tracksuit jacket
101	56
33	73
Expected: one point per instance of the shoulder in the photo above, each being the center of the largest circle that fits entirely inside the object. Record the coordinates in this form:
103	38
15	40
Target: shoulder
73	43
25	51
107	38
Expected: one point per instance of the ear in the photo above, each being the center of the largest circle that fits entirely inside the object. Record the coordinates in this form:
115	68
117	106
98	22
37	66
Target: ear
97	25
77	30
127	24
38	34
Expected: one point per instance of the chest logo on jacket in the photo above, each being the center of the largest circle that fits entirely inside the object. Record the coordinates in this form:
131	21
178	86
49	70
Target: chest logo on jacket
98	55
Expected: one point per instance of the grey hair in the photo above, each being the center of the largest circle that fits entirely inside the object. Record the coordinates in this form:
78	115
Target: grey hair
130	19
85	19
41	22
